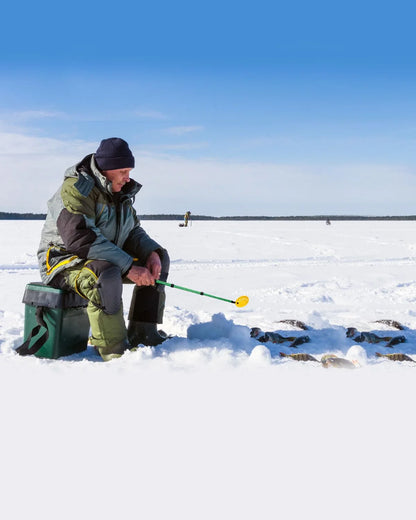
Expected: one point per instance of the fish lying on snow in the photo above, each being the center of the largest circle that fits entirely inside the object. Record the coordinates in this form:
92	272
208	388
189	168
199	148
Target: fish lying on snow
395	341
351	332
333	361
295	323
371	337
327	361
275	337
391	323
397	356
301	356
299	341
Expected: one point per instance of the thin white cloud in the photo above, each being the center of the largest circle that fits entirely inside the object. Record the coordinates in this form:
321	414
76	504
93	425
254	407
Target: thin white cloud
30	115
26	116
19	145
148	114
182	130
164	148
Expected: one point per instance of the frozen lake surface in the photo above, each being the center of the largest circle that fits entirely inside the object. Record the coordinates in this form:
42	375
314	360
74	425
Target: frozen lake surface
214	424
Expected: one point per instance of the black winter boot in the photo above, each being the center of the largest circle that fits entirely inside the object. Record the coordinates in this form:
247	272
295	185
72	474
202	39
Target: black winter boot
143	333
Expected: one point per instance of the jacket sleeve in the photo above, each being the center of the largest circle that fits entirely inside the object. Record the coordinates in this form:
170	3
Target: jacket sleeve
76	225
140	245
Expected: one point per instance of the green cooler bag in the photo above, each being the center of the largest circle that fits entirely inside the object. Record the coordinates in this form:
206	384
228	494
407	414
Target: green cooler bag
56	322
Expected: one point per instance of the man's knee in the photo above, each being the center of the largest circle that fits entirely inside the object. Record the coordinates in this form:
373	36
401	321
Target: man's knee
107	287
110	287
165	261
148	303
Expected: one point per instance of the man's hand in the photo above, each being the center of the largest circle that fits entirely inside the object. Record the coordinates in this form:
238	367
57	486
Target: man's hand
146	275
154	265
140	275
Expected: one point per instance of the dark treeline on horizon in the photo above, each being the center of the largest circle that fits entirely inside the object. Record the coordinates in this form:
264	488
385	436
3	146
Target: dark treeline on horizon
42	216
22	216
293	217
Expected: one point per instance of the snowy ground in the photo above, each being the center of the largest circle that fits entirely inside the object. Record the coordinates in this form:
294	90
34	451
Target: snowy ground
214	424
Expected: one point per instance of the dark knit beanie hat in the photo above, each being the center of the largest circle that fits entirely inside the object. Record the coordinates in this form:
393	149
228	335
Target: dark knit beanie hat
114	154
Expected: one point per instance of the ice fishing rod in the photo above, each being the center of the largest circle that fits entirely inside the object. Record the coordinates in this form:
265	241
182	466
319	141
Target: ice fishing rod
239	302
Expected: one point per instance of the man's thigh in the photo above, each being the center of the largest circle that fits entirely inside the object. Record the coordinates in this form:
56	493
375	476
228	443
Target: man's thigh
97	281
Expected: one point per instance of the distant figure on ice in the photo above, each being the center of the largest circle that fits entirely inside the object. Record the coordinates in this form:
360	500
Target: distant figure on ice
186	218
92	242
328	222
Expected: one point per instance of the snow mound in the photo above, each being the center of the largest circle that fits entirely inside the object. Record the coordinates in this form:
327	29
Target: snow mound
218	328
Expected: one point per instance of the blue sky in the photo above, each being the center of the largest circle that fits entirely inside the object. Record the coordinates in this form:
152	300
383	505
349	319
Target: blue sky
230	107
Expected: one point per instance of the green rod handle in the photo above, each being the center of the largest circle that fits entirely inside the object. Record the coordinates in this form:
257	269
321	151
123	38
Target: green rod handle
193	291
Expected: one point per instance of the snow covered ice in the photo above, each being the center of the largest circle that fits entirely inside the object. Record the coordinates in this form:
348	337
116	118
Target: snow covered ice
214	424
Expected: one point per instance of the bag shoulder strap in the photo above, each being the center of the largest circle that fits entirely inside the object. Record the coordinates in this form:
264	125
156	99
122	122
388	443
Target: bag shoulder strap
25	349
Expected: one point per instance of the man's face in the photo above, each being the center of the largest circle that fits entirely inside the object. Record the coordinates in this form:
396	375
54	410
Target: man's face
118	178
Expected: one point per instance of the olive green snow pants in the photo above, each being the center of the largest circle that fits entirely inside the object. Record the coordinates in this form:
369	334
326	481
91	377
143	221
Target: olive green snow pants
100	282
